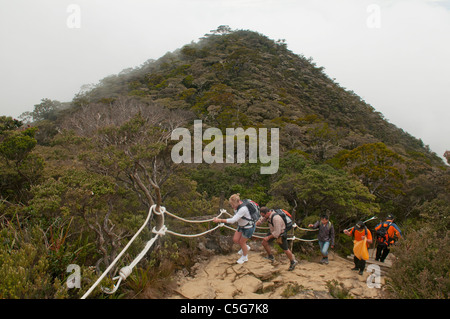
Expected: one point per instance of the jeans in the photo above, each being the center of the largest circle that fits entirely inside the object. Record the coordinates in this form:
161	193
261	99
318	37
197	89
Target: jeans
247	232
324	245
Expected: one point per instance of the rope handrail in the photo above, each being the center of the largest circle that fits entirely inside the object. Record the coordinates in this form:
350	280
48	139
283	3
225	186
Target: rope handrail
120	254
127	270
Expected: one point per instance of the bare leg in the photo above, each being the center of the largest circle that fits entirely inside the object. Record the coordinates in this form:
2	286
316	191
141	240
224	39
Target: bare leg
241	241
266	246
243	244
289	254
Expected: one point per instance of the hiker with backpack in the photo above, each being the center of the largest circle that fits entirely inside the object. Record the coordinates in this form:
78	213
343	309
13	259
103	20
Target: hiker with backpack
325	236
280	222
361	234
246	215
387	233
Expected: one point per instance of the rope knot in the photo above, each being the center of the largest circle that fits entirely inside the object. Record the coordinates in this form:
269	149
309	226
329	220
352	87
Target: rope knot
161	231
162	210
125	272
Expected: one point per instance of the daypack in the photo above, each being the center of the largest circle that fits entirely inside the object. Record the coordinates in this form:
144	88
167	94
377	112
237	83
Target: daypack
328	225
382	232
253	209
287	218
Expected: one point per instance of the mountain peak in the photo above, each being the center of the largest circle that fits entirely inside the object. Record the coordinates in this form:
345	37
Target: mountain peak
241	78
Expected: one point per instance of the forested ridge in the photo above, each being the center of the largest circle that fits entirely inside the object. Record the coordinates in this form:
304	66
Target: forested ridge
77	178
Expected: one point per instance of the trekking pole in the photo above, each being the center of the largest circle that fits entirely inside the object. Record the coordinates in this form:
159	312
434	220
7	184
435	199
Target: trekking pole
374	217
375	244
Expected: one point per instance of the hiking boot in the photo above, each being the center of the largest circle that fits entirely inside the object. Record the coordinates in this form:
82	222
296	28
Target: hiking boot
240	251
242	260
270	257
293	264
361	272
325	261
355	268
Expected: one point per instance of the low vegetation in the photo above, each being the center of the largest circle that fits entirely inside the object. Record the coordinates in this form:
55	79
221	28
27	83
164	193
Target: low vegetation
77	178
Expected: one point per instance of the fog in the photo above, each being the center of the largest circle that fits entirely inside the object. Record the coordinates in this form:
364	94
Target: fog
394	54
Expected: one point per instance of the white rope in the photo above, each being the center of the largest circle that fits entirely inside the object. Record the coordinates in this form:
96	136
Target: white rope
261	236
127	270
301	239
305	229
222	211
120	255
166	231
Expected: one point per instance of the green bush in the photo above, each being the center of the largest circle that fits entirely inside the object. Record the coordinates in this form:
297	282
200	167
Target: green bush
24	274
421	270
338	290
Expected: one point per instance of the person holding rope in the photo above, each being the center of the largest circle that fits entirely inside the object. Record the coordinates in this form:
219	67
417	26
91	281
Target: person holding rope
246	225
279	224
325	236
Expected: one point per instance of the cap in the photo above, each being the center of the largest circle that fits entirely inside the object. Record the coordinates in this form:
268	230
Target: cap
359	225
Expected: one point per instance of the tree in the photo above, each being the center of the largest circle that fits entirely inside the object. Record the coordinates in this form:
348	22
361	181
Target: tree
379	168
20	168
222	29
137	153
97	204
46	110
318	188
322	139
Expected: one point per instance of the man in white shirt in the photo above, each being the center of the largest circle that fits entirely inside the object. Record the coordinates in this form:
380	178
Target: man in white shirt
246	226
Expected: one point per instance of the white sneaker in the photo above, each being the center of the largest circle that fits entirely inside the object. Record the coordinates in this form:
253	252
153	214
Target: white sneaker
242	260
240	251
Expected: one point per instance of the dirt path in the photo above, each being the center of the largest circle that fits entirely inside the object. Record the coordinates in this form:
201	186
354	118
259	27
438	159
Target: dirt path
220	277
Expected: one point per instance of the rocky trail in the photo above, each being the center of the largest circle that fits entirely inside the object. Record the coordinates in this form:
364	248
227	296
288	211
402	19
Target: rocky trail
220	277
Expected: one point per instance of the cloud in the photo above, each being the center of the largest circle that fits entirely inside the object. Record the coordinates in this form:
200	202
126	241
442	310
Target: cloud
400	68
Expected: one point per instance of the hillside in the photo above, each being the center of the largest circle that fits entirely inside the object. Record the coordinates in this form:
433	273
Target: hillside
242	79
77	183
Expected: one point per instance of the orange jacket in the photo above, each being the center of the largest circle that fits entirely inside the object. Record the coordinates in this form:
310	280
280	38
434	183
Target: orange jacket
392	232
359	233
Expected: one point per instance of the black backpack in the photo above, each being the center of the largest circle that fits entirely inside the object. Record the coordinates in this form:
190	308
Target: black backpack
286	218
382	232
253	209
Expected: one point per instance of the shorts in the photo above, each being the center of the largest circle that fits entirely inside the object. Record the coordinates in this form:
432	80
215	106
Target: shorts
281	241
247	232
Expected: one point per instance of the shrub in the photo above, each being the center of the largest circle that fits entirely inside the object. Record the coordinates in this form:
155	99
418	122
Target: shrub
292	289
24	274
337	290
423	263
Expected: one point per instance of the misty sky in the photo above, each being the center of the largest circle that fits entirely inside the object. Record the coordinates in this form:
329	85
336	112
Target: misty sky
394	54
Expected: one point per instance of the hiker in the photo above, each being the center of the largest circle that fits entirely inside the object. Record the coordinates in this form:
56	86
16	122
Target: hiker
279	224
325	236
246	226
387	233
359	233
